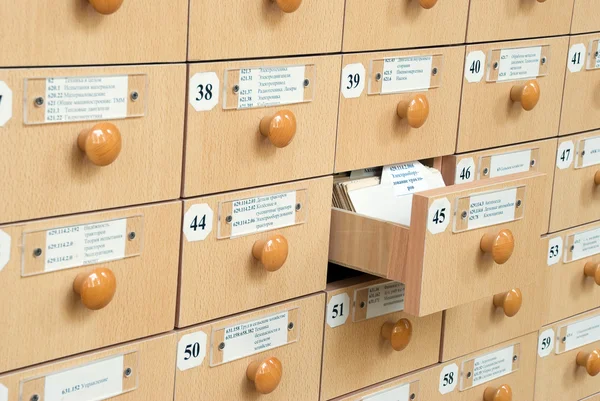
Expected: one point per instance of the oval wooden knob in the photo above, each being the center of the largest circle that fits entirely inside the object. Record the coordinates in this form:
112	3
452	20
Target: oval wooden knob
106	7
279	128
96	288
272	253
288	6
528	94
101	144
590	361
597	178
266	375
427	4
502	393
398	333
592	269
510	301
500	246
415	110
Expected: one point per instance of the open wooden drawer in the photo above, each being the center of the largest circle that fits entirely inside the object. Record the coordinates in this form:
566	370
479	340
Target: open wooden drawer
455	251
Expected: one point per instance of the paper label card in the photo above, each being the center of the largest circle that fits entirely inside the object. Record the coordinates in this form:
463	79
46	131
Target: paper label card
402	392
578	334
259	335
588	152
81	245
518	63
405	74
490	366
489	208
510	163
378	300
582	245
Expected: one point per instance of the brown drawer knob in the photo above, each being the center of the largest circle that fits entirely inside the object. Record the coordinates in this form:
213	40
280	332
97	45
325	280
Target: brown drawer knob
415	110
590	361
500	246
272	253
510	301
398	333
288	6
528	94
502	393
427	4
266	375
597	178
106	6
592	269
101	144
96	288
279	128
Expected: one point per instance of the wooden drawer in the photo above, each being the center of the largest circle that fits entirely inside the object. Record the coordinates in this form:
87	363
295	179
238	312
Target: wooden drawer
442	382
355	352
441	263
224	259
567	254
508	160
229	350
56	177
140	370
224	138
489	117
387	24
576	195
392	139
131	253
494	319
560	346
262	28
583	16
63	33
581	110
514	19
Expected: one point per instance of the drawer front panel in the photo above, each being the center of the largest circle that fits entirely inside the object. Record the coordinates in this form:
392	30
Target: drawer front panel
140	370
583	16
76	34
149	268
576	197
490	118
345	369
515	19
476	166
62	179
300	359
581	107
392	139
569	338
386	24
213	265
220	140
263	28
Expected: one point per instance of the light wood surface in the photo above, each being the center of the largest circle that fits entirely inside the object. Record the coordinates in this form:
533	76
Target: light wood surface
479	324
514	19
569	381
215	265
572	292
490	118
581	103
584	19
576	197
301	360
446	269
545	162
355	354
219	141
54	323
154	369
427	381
246	29
595	397
370	132
44	173
73	33
389	24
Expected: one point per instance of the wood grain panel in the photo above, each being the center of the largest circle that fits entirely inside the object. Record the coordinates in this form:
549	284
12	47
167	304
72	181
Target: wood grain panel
584	16
45	319
43	172
73	33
